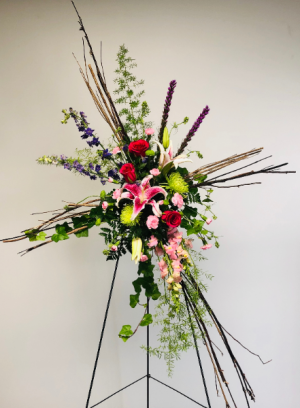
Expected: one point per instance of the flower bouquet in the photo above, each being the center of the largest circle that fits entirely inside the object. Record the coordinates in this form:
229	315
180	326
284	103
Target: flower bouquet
157	210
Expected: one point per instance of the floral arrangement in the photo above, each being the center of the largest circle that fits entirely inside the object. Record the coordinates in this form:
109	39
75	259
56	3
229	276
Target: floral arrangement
155	210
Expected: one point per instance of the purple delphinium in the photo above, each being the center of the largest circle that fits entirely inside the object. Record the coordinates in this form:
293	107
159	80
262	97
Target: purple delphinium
94	142
166	110
103	181
106	154
97	168
113	173
91	166
67	166
193	130
125	148
93	177
83	126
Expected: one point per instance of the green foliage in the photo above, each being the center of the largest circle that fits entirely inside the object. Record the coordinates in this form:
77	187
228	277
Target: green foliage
125	332
146	320
35	235
135	111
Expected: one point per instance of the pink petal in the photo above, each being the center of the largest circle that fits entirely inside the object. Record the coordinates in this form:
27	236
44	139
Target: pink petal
145	180
155	208
134	189
152	191
138	206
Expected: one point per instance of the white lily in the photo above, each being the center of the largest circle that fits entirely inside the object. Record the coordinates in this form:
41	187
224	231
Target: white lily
166	156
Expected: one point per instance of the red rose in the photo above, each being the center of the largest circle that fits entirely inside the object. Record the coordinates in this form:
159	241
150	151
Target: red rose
172	218
139	147
128	172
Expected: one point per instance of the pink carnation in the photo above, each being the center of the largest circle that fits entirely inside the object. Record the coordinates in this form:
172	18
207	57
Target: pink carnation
177	200
110	180
149	131
144	258
204	247
154	172
152	222
104	205
116	150
208	221
114	248
116	194
153	242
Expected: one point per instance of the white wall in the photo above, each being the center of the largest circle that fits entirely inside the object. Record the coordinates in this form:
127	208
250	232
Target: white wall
242	59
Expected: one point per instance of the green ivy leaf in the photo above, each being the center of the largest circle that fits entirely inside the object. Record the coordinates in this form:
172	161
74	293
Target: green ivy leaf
134	300
125	332
147	319
83	233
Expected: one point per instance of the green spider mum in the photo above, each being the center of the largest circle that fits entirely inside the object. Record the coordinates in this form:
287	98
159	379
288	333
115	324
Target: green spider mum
126	214
177	184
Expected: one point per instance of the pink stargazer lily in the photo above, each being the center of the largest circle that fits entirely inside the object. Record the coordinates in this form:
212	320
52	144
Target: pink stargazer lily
166	156
143	194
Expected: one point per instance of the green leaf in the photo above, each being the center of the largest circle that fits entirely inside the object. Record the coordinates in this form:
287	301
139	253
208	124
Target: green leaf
83	233
125	332
200	178
59	237
98	221
134	300
41	236
190	211
147	319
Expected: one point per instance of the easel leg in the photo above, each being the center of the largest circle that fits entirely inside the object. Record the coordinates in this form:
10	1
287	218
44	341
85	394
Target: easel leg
102	332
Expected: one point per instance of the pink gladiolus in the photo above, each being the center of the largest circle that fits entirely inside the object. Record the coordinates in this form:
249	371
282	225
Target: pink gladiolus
159	251
144	258
177	266
170	279
177	200
152	222
116	194
164	273
114	248
104	205
170	250
154	172
208	221
162	264
204	247
149	131
176	277
110	180
116	150
153	242
188	243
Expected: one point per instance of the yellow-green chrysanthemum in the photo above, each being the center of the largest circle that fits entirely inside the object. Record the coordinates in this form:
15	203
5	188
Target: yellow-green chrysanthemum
177	183
126	214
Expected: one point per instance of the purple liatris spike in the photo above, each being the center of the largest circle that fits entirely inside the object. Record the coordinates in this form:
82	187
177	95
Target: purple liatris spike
166	109
192	131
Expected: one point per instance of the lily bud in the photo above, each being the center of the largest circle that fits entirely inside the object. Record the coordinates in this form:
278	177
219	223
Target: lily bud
136	249
166	138
103	194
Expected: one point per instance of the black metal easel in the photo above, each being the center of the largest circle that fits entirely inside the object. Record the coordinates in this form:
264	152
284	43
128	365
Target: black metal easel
148	375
